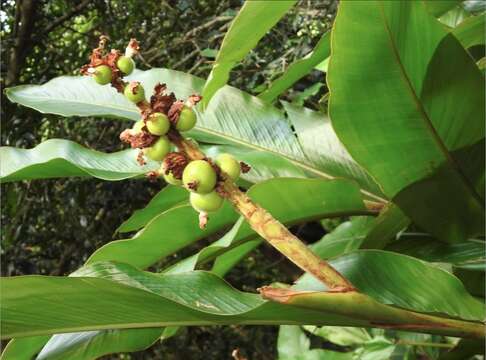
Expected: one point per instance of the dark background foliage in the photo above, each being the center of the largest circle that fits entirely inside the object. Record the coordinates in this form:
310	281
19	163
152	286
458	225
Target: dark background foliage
50	227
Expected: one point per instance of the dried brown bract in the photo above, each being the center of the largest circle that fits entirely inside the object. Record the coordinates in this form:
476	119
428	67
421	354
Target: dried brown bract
174	163
138	141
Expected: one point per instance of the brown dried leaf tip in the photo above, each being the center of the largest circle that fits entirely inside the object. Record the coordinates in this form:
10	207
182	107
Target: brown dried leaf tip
244	167
175	163
138	140
175	111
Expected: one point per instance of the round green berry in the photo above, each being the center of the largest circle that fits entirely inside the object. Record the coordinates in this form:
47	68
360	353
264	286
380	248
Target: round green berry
134	92
138	126
229	165
171	179
158	150
187	119
125	64
199	176
158	124
102	74
209	202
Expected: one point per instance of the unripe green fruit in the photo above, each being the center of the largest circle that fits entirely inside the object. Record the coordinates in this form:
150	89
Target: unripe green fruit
134	92
187	119
102	74
137	128
125	64
158	150
229	165
170	179
206	202
158	124
199	176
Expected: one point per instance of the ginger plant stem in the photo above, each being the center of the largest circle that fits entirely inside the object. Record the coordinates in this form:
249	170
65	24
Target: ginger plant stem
265	225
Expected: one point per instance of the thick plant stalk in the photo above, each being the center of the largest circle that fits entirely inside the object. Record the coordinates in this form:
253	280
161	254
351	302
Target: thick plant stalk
269	228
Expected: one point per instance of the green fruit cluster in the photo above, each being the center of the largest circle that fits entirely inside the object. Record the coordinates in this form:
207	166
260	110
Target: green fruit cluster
198	176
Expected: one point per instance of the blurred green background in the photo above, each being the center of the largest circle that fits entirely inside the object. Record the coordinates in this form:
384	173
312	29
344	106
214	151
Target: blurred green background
50	227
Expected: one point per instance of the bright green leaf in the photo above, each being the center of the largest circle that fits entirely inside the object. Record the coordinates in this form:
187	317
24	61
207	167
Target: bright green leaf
62	158
253	21
401	145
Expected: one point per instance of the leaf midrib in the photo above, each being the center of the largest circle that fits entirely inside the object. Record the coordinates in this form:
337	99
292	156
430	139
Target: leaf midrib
288	158
424	116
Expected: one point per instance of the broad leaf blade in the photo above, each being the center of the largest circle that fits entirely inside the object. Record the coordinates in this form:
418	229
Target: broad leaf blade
439	7
73	96
128	298
322	147
168	197
393	137
424	247
471	31
403	281
253	21
94	344
62	158
234	118
120	296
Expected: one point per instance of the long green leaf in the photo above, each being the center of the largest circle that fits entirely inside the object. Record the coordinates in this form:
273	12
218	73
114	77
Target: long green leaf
253	21
298	69
427	248
233	118
392	278
402	138
62	158
94	344
168	197
30	304
120	296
